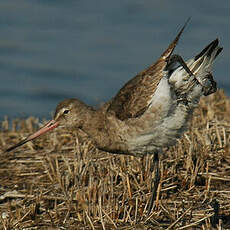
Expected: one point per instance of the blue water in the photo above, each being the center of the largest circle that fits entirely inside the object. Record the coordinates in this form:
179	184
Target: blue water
51	50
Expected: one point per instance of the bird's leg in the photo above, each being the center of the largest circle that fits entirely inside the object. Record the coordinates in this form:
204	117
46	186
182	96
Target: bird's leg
175	58
208	84
154	182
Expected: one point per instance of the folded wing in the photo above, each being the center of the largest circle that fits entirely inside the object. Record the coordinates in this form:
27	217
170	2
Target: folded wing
135	96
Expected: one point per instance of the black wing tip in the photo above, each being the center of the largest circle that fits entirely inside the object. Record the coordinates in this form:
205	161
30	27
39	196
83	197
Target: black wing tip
219	51
215	44
210	47
219	48
187	21
167	53
216	41
182	29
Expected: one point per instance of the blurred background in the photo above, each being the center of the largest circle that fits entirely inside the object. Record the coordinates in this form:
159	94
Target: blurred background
52	50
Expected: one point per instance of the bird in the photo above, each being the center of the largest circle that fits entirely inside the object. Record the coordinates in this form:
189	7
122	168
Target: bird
149	113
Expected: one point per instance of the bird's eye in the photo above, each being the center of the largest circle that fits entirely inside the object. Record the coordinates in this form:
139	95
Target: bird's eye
66	111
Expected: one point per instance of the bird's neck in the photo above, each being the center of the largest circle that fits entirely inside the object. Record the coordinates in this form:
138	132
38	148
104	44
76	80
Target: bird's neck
94	125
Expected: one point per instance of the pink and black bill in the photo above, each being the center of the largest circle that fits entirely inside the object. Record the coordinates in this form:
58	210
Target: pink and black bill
46	128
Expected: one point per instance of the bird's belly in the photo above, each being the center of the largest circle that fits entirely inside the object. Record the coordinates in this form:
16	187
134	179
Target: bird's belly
164	134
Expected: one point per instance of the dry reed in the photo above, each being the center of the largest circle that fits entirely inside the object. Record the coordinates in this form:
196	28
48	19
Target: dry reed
60	181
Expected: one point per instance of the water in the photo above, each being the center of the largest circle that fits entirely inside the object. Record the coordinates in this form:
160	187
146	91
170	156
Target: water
51	50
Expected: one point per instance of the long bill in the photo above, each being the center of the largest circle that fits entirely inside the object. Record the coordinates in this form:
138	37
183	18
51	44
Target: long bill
46	128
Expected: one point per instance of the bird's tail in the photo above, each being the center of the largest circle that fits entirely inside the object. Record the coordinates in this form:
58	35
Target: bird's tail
202	63
201	66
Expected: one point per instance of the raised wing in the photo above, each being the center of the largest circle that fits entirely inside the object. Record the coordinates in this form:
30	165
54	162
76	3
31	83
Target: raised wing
135	96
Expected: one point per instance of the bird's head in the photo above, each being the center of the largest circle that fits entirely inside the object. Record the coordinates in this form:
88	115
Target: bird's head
69	113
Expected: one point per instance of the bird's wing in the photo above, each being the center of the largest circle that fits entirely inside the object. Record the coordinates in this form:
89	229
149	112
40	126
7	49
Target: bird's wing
134	98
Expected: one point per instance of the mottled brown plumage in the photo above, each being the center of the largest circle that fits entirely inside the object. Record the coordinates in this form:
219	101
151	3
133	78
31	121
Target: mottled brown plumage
150	112
134	97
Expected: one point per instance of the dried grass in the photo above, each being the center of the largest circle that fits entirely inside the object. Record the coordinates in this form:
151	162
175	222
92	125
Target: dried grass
60	181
